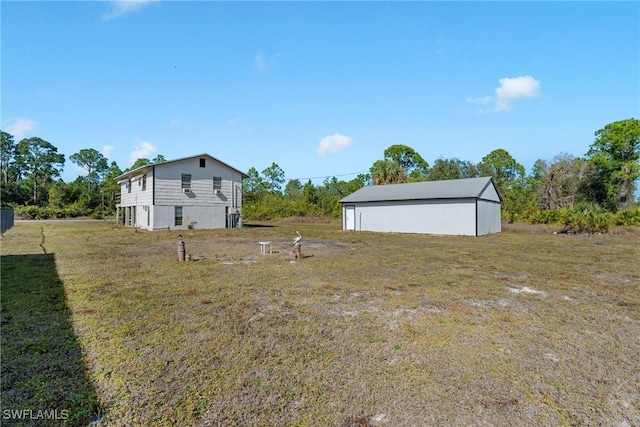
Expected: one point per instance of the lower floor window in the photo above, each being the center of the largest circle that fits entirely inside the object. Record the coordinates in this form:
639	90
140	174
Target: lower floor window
178	215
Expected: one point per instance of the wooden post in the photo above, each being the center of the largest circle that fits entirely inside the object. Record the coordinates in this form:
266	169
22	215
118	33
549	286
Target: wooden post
181	251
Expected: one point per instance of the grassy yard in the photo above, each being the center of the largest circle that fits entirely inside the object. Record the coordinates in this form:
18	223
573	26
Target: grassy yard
519	328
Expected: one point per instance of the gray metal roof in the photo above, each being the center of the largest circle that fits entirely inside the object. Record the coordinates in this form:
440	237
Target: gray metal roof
137	171
448	189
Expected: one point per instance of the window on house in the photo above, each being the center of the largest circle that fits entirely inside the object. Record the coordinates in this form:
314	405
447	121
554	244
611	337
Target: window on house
178	215
129	186
186	180
144	182
203	163
217	184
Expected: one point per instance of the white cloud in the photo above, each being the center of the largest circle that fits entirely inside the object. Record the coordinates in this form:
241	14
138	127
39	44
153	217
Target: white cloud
261	62
107	149
514	88
484	100
143	150
333	144
118	8
18	126
510	89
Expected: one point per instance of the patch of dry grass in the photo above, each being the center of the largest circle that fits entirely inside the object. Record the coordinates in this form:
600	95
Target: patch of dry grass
518	328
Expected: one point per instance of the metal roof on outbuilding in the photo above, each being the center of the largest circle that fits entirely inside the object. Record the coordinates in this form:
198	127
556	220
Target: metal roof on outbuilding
428	190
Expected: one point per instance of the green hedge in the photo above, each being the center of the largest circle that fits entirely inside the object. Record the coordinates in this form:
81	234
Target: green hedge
549	216
46	212
585	218
272	206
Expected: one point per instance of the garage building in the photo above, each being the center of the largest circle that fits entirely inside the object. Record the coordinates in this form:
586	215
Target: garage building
467	207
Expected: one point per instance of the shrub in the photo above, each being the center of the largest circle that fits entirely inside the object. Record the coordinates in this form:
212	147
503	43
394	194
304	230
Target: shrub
587	218
628	217
47	212
76	209
549	216
32	212
27	212
97	214
272	206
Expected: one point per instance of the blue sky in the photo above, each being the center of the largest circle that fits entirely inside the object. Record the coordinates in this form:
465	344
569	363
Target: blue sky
320	88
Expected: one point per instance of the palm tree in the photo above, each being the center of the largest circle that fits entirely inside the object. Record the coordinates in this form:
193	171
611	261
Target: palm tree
388	172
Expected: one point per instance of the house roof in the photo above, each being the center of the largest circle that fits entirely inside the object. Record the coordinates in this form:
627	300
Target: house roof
448	189
137	171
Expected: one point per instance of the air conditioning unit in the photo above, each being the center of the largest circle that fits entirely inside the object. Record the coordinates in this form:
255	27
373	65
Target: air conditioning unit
216	192
186	190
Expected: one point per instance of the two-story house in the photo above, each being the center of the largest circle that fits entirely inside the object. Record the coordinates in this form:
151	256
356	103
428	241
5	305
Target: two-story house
198	191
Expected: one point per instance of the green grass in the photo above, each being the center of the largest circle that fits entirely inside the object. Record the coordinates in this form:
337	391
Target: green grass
42	362
519	328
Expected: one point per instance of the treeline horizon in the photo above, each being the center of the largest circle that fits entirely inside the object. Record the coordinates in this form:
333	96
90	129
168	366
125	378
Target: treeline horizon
601	183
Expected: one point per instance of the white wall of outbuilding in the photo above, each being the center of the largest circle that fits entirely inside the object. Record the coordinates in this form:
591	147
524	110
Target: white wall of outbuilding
466	217
488	217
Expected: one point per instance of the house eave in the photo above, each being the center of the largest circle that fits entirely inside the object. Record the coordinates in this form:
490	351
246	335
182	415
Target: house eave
137	171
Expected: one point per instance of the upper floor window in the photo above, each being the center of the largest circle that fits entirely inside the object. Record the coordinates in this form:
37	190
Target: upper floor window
203	163
186	181
217	183
129	186
144	182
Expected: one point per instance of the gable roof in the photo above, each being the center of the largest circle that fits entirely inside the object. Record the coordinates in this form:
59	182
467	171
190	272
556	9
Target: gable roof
448	189
137	171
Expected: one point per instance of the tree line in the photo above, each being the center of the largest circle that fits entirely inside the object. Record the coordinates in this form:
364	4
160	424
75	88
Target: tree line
601	183
31	180
560	190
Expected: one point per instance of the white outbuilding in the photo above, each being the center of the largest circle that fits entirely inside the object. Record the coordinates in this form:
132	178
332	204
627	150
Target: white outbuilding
463	207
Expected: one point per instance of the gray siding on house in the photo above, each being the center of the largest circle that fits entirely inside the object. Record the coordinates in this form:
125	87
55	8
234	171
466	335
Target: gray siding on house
169	192
196	216
137	196
153	206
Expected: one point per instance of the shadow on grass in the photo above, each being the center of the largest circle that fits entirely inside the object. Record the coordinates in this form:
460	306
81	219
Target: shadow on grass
44	379
249	225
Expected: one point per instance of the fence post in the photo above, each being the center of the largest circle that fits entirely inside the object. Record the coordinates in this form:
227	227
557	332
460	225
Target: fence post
6	219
